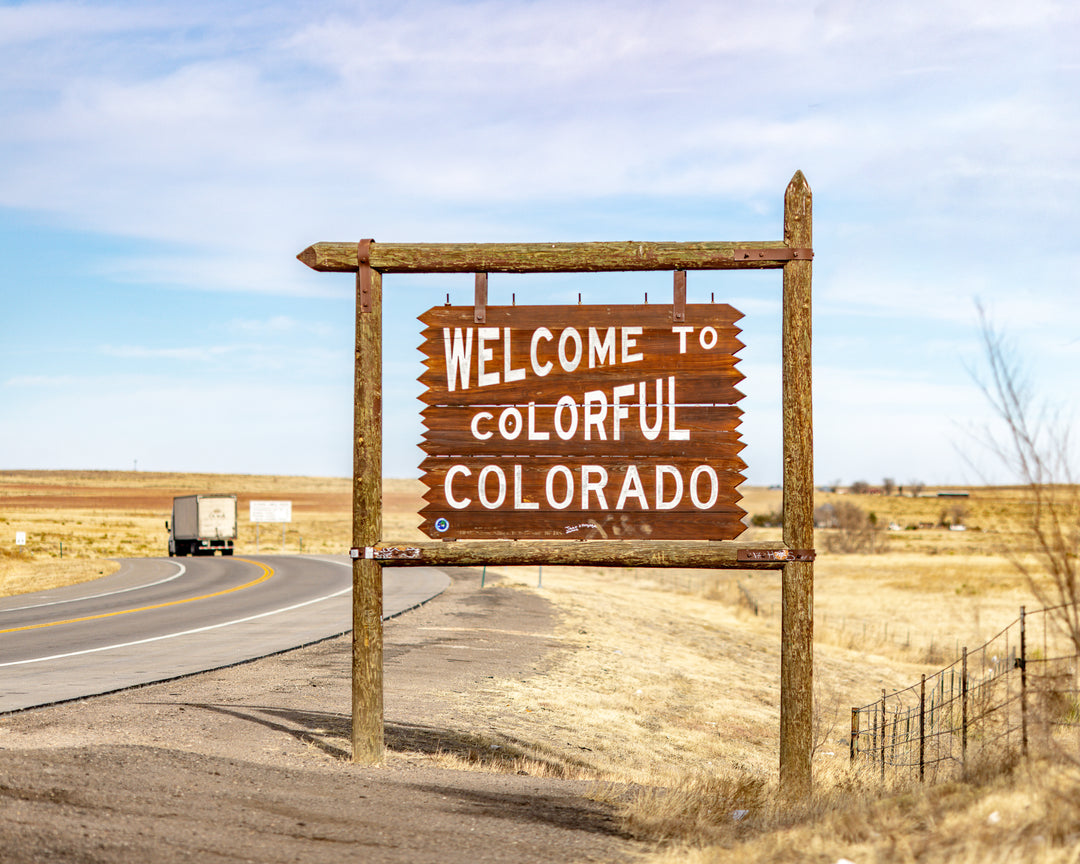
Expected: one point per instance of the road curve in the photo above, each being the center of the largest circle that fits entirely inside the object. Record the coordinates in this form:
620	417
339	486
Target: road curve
161	618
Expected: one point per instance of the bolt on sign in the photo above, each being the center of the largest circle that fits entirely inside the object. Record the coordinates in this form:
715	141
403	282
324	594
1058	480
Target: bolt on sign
582	422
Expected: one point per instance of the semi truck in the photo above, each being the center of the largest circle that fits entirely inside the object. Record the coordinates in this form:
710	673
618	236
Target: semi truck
202	525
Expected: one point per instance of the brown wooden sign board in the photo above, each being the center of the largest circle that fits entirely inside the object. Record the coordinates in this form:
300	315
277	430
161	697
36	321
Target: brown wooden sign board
582	422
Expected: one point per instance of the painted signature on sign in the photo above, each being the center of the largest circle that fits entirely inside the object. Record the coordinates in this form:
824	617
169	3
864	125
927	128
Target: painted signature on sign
570	529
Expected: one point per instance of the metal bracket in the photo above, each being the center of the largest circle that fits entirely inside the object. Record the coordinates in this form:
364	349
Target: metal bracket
363	274
774	253
678	309
760	555
480	299
385	553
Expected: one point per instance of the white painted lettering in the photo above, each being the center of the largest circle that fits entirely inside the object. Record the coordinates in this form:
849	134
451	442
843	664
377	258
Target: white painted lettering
488	471
682	331
566	403
507	415
541	369
708	338
589	485
456	503
508	373
549	487
458	350
594	418
673	433
629	342
519	504
673	472
620	410
484	356
601	352
533	434
651	432
569	364
708	471
475	426
632	488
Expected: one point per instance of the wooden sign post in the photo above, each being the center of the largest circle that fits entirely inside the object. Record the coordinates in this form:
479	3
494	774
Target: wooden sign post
612	424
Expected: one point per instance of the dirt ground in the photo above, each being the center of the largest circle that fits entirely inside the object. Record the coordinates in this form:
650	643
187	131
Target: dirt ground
250	763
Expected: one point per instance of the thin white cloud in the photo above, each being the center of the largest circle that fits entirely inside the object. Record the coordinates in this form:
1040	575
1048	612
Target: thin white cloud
938	138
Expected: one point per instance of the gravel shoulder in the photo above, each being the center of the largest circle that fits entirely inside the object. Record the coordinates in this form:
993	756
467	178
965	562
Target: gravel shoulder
251	763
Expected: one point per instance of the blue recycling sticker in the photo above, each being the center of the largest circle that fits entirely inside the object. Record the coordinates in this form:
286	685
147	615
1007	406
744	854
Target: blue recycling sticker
441	524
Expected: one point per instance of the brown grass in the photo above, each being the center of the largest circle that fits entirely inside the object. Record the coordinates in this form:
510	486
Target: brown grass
91	516
666	691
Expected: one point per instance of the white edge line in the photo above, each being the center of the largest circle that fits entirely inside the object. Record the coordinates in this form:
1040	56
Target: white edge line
176	575
182	633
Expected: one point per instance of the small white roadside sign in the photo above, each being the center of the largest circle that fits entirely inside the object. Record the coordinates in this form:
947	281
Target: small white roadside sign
20	538
271	511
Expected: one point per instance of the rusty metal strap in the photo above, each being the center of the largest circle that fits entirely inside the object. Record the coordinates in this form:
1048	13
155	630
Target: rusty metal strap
363	274
750	556
774	253
385	553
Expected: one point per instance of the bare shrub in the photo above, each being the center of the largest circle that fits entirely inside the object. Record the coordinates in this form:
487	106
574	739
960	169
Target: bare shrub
768	520
825	516
855	531
953	515
1035	446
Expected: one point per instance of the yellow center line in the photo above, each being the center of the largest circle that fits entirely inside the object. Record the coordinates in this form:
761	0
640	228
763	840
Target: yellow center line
266	574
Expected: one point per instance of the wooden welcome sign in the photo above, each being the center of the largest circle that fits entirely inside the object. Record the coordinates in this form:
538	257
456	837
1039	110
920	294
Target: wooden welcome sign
582	422
615	424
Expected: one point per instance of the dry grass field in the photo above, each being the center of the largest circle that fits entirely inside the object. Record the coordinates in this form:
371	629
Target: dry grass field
670	678
98	515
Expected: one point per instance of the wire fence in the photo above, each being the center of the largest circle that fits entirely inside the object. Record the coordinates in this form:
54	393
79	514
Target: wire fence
1011	695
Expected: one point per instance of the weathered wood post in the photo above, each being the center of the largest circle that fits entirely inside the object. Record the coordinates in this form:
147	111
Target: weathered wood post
367	659
797	617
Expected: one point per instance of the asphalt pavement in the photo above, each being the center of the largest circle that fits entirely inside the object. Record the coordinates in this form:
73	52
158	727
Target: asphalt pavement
162	618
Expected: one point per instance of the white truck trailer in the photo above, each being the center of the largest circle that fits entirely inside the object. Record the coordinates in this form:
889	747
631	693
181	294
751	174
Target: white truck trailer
202	525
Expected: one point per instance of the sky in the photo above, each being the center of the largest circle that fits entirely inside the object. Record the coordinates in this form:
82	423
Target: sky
162	164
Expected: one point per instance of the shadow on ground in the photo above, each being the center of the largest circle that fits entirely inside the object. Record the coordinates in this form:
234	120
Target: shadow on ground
331	733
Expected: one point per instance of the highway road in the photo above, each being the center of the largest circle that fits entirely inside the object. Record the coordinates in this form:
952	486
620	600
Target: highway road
161	618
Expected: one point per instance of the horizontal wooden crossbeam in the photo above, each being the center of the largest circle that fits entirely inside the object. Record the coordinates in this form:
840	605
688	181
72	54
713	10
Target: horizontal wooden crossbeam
693	554
551	257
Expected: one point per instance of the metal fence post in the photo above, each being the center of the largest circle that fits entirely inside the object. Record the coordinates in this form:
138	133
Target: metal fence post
882	734
1022	663
854	746
964	709
922	729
